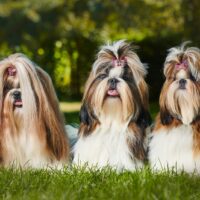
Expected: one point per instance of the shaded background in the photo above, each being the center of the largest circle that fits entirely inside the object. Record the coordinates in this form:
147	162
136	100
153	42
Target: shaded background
63	36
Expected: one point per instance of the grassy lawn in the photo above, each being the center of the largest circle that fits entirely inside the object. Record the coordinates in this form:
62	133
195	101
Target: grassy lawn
104	184
71	183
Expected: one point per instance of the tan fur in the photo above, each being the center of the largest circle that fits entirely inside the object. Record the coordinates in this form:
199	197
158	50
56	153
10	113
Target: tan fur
196	137
144	93
174	105
158	125
40	110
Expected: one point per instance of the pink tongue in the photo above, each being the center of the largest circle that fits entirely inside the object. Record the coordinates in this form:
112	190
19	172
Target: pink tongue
113	93
18	103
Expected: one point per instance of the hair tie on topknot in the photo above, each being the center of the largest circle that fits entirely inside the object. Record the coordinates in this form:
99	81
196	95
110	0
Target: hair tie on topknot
182	65
11	71
119	62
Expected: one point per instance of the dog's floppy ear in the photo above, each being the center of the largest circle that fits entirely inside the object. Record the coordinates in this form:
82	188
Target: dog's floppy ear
88	119
165	117
53	118
144	94
144	120
88	83
84	115
136	141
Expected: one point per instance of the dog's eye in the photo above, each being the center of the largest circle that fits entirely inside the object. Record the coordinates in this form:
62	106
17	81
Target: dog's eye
7	87
102	76
127	78
192	77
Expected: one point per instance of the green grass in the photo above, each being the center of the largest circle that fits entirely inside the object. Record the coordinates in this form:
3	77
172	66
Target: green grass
71	183
72	117
154	108
100	184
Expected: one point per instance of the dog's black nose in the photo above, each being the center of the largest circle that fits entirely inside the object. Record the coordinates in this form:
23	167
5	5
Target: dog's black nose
17	95
182	83
113	83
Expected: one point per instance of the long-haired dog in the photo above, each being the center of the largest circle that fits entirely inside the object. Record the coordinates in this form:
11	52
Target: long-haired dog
114	113
175	139
32	132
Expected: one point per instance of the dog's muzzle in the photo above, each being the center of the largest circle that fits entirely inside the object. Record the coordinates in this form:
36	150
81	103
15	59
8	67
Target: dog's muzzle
17	98
182	83
112	91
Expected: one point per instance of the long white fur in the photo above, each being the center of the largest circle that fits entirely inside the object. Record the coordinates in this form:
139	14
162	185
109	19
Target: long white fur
115	72
106	146
173	149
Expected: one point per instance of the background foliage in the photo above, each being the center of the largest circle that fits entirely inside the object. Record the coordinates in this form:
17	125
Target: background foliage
63	36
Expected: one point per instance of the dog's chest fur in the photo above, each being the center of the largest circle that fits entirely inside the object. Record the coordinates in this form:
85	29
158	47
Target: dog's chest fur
173	149
106	146
23	149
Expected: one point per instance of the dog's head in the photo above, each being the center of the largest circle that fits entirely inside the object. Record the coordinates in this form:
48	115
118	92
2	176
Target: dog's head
181	91
120	55
115	88
111	93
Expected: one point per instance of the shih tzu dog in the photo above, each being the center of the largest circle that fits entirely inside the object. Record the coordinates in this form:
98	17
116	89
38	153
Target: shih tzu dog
175	139
32	131
114	113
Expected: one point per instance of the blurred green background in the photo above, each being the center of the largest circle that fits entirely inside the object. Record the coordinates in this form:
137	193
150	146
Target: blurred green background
63	36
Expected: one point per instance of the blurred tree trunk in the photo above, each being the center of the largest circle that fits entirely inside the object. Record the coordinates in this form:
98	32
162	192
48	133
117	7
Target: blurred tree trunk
75	74
75	81
191	16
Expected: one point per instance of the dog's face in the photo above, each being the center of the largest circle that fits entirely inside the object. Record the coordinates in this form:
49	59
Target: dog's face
18	72
12	108
12	96
181	91
114	93
13	99
120	55
115	90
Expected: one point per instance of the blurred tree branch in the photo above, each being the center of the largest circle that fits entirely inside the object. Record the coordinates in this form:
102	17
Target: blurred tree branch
63	35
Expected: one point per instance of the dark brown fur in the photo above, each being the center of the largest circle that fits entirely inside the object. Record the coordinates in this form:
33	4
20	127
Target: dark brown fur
136	145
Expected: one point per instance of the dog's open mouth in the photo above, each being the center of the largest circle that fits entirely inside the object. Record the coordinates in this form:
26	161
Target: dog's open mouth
113	93
18	103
